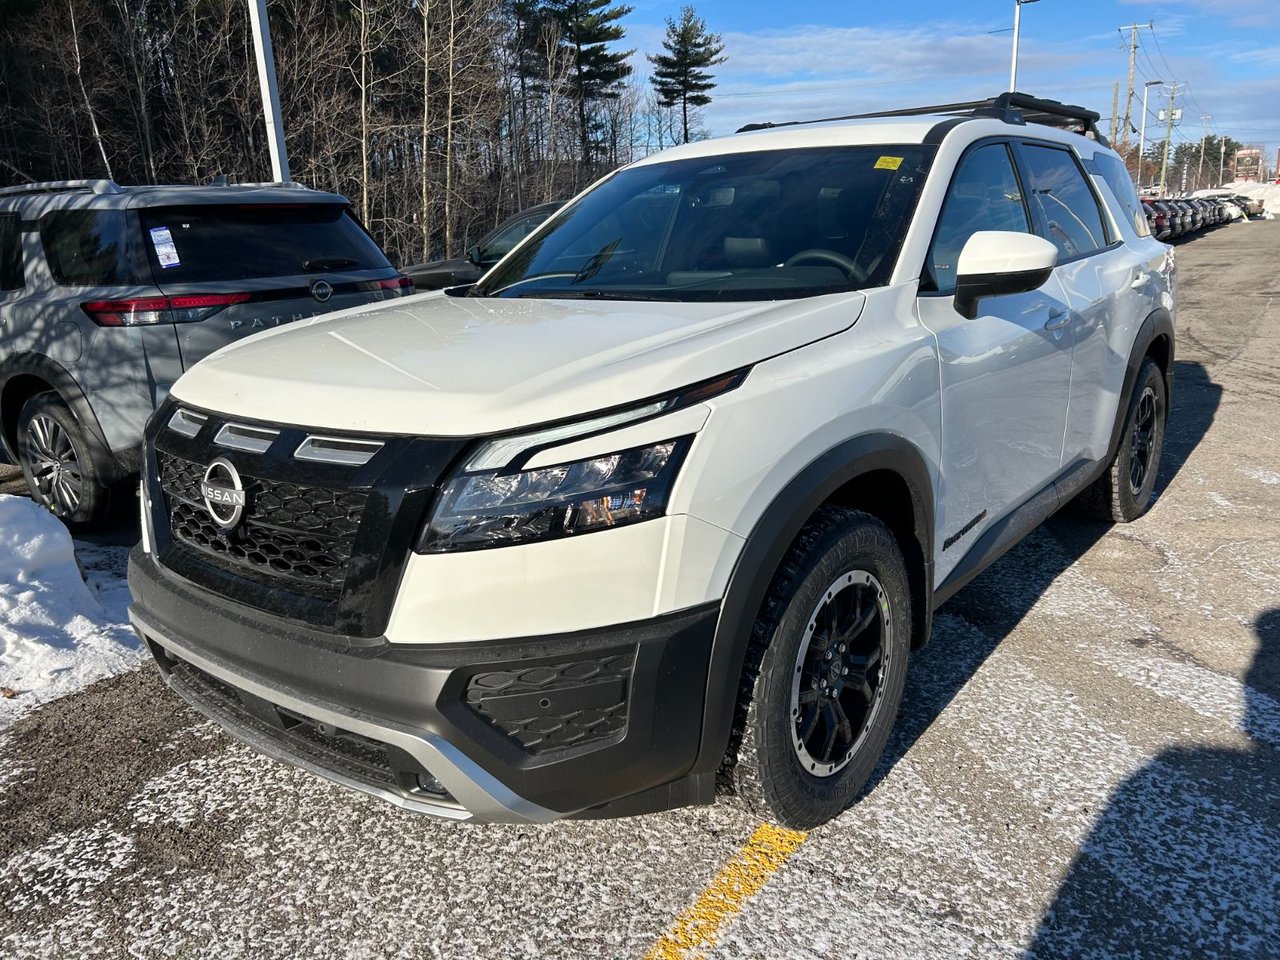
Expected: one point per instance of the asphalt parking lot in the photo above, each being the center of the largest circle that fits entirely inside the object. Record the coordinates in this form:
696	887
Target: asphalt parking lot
1087	765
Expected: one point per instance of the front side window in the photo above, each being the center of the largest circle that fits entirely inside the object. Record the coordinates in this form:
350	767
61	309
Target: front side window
10	252
505	242
984	195
766	225
1067	207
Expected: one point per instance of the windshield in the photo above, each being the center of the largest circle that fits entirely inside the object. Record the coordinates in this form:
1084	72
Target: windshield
768	225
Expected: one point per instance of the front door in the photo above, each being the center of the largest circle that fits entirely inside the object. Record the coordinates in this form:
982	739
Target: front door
1006	374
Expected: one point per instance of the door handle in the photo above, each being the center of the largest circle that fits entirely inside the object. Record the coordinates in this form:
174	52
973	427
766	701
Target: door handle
1057	319
1140	281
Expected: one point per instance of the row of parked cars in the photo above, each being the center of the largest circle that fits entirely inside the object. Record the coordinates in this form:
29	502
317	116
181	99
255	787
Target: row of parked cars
1170	218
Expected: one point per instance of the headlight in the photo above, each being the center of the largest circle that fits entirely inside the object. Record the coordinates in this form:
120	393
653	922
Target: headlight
494	508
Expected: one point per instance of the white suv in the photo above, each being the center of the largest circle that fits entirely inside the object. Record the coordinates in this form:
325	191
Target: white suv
660	506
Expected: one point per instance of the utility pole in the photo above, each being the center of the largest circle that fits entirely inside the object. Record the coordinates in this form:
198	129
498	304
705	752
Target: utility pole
1133	62
270	90
1168	137
1203	137
1142	136
1115	109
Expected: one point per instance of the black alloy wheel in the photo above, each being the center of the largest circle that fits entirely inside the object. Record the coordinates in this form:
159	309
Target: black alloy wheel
839	672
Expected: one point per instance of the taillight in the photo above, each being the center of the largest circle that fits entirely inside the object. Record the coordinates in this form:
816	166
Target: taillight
144	311
401	284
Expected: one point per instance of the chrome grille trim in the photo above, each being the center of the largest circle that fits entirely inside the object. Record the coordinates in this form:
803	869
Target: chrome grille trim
239	436
339	450
187	422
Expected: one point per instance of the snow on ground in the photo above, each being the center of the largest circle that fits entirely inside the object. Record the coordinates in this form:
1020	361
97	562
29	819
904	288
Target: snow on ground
60	630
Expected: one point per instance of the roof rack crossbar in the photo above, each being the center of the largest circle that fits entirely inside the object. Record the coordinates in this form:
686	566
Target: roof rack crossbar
1011	107
61	186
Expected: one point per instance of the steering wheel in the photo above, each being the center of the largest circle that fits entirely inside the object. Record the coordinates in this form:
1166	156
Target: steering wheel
827	256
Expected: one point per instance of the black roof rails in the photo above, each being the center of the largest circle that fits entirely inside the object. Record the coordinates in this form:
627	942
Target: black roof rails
1019	108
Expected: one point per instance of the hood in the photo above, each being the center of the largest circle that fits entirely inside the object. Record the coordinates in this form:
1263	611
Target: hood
434	365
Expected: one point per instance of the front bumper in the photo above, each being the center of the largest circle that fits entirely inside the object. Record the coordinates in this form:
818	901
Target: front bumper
590	723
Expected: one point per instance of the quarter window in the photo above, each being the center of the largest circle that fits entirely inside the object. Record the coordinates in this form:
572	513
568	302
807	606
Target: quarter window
985	195
89	248
1117	176
1068	209
10	252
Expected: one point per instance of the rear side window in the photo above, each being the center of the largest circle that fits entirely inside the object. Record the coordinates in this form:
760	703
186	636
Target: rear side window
1116	174
248	241
10	252
1068	209
984	195
89	248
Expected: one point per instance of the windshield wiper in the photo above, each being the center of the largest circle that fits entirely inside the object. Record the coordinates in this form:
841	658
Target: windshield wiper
592	293
329	263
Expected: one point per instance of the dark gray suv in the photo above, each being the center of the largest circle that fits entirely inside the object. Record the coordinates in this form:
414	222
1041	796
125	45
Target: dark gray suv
109	293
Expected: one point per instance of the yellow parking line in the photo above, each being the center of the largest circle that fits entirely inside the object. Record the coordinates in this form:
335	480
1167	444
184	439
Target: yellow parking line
738	881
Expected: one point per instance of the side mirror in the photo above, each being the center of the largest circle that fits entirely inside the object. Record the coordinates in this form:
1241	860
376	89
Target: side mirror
473	254
996	263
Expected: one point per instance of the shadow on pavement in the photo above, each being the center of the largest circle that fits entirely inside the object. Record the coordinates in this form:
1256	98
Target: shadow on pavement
1185	861
968	628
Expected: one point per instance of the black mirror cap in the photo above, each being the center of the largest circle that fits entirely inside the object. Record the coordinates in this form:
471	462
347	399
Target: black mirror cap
974	287
473	254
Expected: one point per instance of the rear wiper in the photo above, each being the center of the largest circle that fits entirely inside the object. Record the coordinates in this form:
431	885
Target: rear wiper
330	263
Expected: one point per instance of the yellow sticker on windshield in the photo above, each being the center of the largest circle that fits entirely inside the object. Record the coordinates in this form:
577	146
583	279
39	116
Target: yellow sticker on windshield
888	163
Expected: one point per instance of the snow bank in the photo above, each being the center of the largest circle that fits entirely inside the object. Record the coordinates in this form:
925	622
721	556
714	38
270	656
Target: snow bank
57	632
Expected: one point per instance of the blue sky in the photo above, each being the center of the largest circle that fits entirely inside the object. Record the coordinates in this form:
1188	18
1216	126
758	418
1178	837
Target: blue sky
790	60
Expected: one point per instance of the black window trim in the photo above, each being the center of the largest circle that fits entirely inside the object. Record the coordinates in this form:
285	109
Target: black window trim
19	237
927	285
1041	229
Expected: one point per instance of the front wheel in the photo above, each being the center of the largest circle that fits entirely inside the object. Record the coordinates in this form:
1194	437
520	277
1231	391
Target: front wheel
57	462
831	644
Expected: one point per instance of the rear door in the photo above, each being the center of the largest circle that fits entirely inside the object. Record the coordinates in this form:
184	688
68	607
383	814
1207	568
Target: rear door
1006	374
1103	278
235	269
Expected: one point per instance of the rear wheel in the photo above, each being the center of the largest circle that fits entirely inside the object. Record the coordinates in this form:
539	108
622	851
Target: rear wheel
57	463
1125	491
831	646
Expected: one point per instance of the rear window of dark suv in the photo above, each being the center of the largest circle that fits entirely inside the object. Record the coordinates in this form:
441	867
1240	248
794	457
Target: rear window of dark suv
249	241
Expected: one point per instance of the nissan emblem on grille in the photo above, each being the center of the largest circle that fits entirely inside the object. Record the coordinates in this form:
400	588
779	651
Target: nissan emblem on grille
322	290
223	493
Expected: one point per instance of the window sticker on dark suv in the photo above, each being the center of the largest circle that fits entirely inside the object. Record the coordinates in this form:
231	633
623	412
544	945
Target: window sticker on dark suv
1068	208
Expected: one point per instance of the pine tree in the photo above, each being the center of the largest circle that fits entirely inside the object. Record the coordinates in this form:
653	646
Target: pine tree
680	75
588	27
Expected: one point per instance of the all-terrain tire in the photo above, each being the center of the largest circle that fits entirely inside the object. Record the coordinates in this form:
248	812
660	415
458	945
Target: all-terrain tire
1115	496
764	768
57	463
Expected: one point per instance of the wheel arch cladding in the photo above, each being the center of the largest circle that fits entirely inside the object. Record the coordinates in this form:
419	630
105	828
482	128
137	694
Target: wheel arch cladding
881	474
1155	339
24	375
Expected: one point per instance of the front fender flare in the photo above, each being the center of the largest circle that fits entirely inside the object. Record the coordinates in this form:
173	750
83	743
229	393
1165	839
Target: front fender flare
768	543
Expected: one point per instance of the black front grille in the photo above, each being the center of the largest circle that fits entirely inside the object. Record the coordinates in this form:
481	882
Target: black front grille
301	536
323	543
